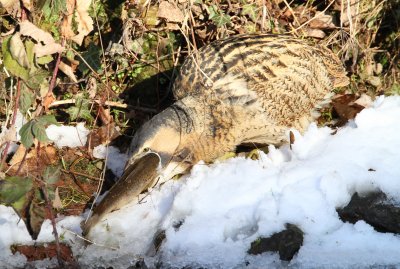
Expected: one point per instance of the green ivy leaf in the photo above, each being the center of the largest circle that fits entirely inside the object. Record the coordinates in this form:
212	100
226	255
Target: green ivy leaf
251	11
92	57
80	110
220	19
13	191
11	64
26	134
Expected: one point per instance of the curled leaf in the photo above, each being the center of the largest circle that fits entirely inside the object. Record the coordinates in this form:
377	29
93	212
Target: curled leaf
18	51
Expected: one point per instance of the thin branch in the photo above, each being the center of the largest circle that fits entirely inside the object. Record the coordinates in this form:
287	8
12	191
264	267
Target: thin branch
107	103
89	241
53	223
17	96
80	174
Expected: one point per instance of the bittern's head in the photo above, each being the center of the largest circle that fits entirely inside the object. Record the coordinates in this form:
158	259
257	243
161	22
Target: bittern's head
162	135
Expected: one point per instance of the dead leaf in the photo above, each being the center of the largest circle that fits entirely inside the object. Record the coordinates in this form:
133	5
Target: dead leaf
8	135
41	50
44	251
314	33
18	155
291	139
364	100
170	12
374	81
346	108
29	29
172	26
349	14
322	21
48	100
56	203
66	26
103	135
66	69
18	51
92	87
50	46
83	20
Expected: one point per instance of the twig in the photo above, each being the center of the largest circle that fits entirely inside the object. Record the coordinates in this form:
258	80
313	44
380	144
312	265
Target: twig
89	241
17	96
80	174
53	223
107	103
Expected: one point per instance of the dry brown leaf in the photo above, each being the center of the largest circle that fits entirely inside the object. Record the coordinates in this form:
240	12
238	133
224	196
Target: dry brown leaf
345	107
18	51
92	87
349	13
314	33
364	100
41	50
29	29
18	155
170	12
66	69
8	135
322	21
172	26
48	100
66	26
84	21
50	46
56	203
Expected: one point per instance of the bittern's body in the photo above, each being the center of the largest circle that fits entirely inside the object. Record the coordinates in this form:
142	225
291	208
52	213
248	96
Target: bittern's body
243	89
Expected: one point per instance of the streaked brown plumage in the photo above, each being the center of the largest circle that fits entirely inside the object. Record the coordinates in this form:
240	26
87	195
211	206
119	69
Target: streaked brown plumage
243	89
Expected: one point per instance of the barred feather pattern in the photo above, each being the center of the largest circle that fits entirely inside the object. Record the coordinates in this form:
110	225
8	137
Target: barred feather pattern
253	88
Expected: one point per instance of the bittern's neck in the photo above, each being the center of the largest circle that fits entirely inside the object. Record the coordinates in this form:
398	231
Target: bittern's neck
202	132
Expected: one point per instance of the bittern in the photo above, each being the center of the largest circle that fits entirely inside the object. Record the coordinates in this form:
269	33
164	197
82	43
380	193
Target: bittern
239	90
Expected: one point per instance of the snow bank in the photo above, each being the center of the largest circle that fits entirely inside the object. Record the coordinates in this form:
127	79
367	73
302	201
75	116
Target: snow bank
211	216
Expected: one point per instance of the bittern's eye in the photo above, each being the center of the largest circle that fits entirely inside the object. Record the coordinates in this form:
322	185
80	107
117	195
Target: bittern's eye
146	149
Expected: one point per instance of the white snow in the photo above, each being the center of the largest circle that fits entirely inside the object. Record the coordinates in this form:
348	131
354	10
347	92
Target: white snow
211	216
115	159
68	136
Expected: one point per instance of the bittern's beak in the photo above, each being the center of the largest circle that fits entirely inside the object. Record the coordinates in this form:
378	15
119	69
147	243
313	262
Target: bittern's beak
141	174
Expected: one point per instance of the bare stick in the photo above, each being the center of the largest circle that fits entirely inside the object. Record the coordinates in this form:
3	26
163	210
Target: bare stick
17	96
107	103
53	223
